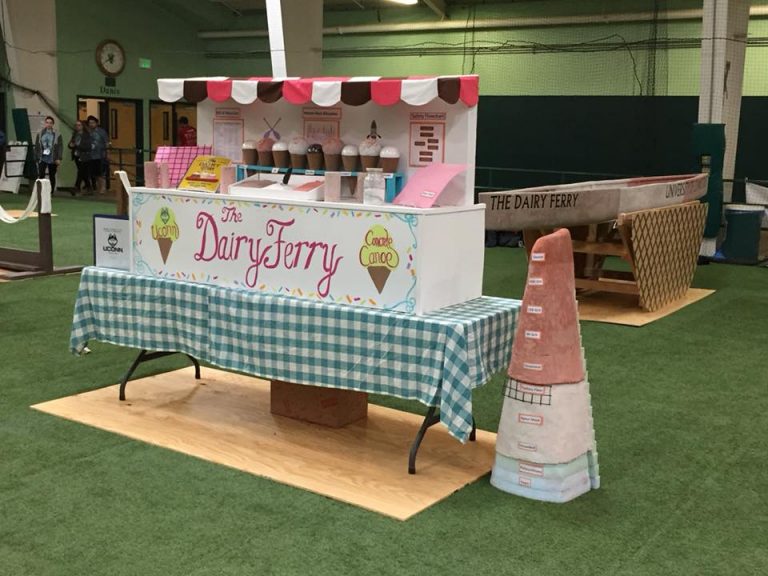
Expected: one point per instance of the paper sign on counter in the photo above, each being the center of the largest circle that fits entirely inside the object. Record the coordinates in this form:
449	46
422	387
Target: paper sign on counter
424	187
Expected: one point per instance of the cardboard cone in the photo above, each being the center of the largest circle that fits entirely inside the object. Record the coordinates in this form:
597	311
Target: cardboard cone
379	275
281	158
250	156
369	162
265	158
350	163
332	162
547	345
351	184
299	161
315	160
389	164
165	247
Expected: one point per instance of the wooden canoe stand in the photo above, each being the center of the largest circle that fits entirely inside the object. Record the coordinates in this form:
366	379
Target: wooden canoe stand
18	264
660	245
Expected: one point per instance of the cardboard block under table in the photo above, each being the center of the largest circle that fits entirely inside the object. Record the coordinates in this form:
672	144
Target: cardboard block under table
327	406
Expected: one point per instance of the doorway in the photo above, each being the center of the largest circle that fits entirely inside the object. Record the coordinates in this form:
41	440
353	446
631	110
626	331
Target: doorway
164	122
122	118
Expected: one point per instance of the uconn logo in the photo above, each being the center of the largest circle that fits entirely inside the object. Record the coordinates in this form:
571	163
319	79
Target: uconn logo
112	246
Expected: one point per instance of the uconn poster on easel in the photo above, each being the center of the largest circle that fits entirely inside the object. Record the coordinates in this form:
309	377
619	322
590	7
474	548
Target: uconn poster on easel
331	254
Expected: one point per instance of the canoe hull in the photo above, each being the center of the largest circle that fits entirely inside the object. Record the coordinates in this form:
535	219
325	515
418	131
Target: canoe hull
586	202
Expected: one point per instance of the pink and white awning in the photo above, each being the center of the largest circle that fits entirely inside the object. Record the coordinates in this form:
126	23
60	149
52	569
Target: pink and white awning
354	91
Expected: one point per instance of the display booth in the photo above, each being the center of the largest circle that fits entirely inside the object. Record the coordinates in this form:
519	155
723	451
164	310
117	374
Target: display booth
311	274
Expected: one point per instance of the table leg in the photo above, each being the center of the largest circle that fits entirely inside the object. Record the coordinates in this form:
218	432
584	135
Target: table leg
145	356
430	419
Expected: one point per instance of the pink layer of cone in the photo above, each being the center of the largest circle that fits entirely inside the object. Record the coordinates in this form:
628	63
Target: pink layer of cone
547	345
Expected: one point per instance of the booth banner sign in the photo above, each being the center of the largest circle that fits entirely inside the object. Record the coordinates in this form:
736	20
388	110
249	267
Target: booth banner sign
111	241
355	256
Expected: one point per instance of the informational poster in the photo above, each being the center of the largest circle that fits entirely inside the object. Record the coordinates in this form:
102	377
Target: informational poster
354	256
204	174
427	138
321	123
228	138
111	241
13	169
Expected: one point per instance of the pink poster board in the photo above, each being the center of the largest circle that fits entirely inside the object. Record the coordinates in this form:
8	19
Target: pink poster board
426	184
179	158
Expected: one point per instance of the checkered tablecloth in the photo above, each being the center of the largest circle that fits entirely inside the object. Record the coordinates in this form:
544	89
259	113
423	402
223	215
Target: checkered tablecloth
437	358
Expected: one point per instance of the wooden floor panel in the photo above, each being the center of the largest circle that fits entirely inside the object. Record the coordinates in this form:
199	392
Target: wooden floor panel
225	418
624	309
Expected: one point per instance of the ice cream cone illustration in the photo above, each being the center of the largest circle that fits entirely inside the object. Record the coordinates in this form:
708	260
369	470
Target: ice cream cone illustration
165	231
378	256
379	275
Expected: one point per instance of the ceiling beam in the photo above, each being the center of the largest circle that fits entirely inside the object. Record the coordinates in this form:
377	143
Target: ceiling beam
438	7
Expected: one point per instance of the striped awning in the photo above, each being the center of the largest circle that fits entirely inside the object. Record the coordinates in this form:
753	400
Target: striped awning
354	91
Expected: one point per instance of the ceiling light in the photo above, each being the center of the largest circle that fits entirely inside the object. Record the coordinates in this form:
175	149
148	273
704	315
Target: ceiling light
408	2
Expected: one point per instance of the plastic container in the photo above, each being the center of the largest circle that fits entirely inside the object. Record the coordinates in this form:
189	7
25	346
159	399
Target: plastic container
374	187
742	233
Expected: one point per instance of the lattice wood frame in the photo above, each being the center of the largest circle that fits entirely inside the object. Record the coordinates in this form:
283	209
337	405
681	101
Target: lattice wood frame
661	246
665	245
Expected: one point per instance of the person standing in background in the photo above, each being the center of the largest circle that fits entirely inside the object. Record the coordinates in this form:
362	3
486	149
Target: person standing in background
48	152
186	135
80	145
99	164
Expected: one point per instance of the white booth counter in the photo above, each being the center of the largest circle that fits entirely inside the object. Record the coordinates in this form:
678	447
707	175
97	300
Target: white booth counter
387	257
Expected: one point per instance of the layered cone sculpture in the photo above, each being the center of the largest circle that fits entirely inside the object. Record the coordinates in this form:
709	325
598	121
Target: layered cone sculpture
545	446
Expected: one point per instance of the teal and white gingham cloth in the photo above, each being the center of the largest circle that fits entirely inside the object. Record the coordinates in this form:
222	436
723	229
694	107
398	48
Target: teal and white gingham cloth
437	358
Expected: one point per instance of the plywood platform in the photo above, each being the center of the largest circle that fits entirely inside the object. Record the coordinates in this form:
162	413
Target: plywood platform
623	308
225	418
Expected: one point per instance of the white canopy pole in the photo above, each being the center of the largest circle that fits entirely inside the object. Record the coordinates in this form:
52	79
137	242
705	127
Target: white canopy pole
295	37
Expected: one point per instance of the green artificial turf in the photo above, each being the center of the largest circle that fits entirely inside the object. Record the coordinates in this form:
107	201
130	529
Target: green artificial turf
680	417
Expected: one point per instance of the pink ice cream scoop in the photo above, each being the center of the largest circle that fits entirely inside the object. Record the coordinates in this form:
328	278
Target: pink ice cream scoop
332	145
265	144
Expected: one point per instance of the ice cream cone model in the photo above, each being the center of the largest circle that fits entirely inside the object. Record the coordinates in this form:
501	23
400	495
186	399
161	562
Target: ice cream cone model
280	154
390	158
332	153
545	446
370	148
165	231
378	256
264	148
315	157
250	152
298	150
349	157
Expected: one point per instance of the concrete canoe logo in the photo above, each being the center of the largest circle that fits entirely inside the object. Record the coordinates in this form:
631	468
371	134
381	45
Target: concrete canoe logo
165	231
378	256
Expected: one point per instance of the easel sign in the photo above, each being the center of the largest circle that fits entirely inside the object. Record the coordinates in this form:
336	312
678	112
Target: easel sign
111	241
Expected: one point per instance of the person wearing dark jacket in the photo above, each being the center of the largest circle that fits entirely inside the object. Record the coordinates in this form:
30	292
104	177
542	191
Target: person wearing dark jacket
48	152
80	146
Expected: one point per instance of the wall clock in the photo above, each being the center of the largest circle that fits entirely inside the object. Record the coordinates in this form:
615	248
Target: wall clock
110	57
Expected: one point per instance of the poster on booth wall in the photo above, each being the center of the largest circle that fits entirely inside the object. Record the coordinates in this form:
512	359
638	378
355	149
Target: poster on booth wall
204	174
111	241
354	256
